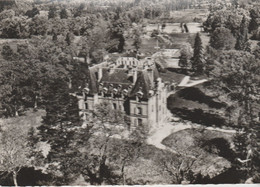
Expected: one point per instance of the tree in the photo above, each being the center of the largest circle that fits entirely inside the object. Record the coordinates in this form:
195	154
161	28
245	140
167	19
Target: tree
155	33
15	27
39	25
14	151
185	56
179	166
63	14
186	28
12	91
238	74
7	14
52	12
116	34
32	13
19	79
256	34
238	82
254	22
125	152
69	38
106	125
242	36
59	125
163	26
198	61
222	39
137	39
240	142
257	52
79	10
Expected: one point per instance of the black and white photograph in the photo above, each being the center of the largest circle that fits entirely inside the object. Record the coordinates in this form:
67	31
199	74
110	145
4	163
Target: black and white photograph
129	92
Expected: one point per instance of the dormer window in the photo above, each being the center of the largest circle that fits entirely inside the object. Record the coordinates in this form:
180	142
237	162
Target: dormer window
140	94
151	92
115	91
119	87
105	90
86	90
125	92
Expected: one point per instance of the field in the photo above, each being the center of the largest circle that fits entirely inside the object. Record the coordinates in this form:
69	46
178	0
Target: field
189	15
175	27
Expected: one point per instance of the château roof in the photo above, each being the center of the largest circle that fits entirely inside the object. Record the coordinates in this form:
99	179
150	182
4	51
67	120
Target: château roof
119	76
121	79
143	84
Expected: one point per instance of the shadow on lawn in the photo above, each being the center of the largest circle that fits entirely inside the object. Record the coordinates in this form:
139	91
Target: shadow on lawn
199	116
195	94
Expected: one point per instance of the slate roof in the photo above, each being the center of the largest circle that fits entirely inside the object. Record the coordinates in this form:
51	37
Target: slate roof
143	84
119	76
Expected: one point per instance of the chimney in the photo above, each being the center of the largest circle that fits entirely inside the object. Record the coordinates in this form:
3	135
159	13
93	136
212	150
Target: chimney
150	75
100	73
134	76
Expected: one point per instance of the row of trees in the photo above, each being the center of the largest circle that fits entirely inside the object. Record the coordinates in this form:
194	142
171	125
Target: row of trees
233	66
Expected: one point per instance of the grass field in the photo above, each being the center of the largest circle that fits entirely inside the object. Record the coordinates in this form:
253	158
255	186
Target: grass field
28	120
174	27
189	15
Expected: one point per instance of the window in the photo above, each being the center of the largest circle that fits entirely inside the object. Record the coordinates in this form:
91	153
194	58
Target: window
152	108
86	106
114	105
140	121
139	110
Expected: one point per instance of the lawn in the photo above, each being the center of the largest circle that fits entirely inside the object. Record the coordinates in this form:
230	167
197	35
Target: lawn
188	15
194	105
180	39
174	27
29	119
